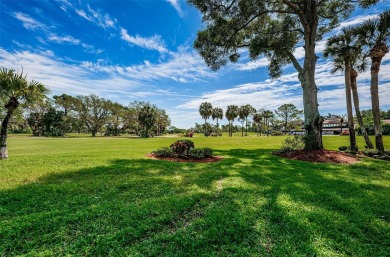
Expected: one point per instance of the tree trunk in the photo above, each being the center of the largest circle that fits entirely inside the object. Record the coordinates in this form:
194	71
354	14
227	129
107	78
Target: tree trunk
348	97
217	127
376	55
94	131
285	126
357	109
246	126
313	137
11	107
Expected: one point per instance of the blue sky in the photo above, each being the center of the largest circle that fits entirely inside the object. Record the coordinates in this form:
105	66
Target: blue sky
142	50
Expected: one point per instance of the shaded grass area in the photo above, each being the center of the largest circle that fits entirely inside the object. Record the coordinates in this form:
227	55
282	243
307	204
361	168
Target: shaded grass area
102	197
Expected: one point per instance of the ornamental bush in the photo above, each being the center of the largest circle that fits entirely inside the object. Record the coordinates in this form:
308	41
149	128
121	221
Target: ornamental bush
182	147
343	148
196	153
291	143
208	152
163	152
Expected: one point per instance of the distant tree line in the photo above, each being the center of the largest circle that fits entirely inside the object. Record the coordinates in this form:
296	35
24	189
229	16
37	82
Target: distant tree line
285	118
88	114
25	107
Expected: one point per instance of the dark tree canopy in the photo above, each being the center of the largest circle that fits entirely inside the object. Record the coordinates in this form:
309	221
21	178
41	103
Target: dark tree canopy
270	28
273	28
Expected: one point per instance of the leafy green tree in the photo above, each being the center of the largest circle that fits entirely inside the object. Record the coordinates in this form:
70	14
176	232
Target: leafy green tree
375	33
93	111
115	120
205	110
16	90
35	115
217	114
273	28
288	113
53	123
147	119
230	114
162	121
67	104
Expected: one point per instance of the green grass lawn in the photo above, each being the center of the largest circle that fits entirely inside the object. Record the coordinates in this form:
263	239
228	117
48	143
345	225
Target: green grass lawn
102	197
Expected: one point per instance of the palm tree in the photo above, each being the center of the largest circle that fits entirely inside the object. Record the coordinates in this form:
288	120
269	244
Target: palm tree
267	114
352	51
257	118
343	47
205	110
359	117
15	90
241	115
374	34
248	110
231	114
217	114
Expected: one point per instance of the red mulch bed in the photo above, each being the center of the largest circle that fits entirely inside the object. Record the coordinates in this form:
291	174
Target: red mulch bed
172	159
325	156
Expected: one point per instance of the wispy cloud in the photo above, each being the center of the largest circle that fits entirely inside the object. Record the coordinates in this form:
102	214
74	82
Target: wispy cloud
28	22
63	39
355	21
271	94
123	84
176	5
152	43
183	66
102	20
252	65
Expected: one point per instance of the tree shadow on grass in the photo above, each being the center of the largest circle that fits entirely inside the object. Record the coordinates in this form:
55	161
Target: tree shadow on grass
251	203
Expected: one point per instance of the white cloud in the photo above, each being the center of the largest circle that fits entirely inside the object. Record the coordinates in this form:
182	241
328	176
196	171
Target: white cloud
28	22
270	94
66	77
252	65
120	83
152	43
176	5
102	20
183	66
63	39
355	21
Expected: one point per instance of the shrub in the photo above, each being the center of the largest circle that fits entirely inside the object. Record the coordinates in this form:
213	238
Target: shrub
373	153
196	153
370	152
208	152
343	148
347	149
163	152
189	133
182	147
54	132
292	143
277	133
